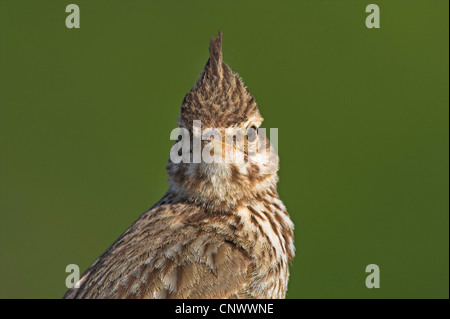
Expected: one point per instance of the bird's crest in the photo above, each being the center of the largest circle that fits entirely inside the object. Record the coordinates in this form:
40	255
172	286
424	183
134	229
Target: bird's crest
219	97
215	54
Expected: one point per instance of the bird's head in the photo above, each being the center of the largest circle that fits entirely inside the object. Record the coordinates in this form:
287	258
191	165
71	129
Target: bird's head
221	156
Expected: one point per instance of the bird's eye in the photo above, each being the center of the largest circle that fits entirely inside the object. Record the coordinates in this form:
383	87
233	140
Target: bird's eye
252	134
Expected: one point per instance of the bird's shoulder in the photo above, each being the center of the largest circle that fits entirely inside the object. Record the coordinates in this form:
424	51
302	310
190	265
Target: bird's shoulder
174	250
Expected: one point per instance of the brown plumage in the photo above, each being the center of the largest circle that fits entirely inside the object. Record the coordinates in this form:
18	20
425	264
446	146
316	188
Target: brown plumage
220	231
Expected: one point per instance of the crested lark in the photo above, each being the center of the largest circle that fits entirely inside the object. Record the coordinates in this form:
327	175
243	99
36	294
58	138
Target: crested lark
221	230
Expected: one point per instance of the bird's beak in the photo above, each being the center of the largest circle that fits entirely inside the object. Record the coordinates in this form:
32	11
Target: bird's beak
224	149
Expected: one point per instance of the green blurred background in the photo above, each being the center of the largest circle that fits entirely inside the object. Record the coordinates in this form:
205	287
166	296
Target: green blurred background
85	118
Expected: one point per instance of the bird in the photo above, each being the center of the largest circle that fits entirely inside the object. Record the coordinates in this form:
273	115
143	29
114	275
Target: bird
221	230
